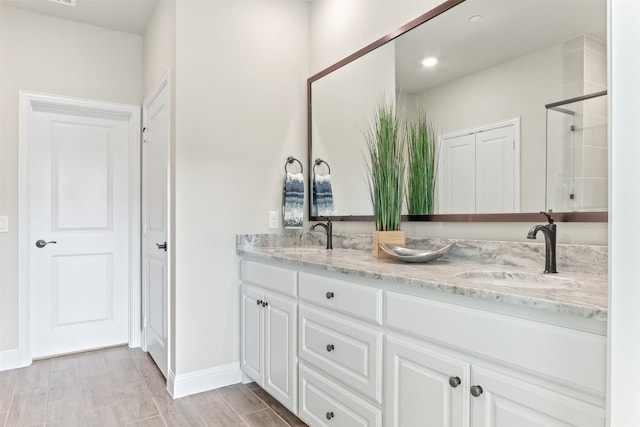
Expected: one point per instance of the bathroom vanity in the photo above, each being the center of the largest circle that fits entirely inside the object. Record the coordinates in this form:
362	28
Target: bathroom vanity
343	339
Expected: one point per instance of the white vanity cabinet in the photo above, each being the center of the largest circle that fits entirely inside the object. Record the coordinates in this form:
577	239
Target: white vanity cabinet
451	365
344	351
340	351
268	344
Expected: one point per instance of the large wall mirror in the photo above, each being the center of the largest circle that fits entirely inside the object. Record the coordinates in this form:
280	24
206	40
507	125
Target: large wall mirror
518	97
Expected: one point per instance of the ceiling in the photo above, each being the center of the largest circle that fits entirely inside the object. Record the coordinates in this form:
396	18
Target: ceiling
508	29
130	16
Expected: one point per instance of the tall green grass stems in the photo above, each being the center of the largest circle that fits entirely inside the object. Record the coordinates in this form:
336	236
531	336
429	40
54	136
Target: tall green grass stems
395	149
386	166
422	140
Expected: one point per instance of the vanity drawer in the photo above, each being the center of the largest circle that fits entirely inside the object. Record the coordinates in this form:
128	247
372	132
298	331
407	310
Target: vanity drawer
347	351
553	351
323	403
271	277
355	300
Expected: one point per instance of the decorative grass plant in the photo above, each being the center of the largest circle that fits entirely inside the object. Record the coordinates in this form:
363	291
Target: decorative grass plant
386	166
422	165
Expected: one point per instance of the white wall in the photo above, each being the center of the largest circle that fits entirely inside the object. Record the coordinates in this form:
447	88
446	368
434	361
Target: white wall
340	28
240	111
43	54
624	200
342	103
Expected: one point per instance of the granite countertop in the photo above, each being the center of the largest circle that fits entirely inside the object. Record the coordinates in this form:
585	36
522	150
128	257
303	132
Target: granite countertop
584	296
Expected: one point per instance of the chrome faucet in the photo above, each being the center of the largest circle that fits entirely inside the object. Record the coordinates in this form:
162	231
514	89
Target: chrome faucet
549	231
328	228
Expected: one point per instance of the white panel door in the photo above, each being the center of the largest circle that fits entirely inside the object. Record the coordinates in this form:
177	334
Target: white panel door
496	178
155	195
79	205
507	402
424	387
457	175
251	333
281	349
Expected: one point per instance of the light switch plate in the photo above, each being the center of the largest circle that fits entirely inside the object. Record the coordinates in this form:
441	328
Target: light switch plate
4	224
273	219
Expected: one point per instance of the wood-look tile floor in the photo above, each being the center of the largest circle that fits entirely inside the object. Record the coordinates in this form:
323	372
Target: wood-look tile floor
123	387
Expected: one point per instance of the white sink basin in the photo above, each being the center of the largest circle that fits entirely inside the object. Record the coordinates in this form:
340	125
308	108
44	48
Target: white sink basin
518	279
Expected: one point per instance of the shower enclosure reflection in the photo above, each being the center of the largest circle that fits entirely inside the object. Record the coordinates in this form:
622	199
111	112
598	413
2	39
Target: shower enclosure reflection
577	170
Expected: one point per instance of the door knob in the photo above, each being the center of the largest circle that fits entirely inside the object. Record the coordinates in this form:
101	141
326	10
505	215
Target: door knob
162	246
42	243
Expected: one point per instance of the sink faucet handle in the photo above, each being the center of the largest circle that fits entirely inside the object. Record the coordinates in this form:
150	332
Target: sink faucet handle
548	215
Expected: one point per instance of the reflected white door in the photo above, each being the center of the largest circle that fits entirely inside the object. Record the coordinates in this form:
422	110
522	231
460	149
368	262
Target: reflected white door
457	175
155	245
79	204
497	184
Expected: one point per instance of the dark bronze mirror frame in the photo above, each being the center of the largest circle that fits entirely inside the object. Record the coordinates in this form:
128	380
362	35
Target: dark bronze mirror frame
498	217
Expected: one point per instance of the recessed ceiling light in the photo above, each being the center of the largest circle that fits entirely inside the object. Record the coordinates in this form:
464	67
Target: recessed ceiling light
475	18
429	62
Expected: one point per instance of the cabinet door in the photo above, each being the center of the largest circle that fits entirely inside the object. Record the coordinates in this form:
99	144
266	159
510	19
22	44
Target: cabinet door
507	401
280	345
251	353
424	387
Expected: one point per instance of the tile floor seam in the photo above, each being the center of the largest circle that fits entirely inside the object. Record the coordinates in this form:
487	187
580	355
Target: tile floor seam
13	396
153	398
271	409
240	417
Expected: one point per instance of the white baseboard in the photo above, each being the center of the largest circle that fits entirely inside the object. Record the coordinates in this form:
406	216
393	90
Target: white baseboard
207	379
9	360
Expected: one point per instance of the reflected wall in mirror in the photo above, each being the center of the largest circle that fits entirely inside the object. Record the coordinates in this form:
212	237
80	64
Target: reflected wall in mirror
498	61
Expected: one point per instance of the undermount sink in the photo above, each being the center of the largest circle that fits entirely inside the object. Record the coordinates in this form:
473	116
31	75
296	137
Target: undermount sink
518	279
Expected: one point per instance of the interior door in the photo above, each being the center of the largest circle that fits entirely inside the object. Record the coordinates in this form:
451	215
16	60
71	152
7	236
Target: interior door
155	246
79	217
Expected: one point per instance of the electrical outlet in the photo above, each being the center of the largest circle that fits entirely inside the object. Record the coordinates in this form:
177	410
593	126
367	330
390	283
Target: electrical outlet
273	219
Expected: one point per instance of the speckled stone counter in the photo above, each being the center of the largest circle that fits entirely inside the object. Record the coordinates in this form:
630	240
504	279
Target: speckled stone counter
585	295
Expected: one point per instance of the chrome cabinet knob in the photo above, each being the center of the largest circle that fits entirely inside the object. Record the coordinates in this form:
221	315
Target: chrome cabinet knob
329	415
330	348
329	295
454	381
476	390
42	243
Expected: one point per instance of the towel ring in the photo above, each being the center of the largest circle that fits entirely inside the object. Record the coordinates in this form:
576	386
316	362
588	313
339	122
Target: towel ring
290	160
318	162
